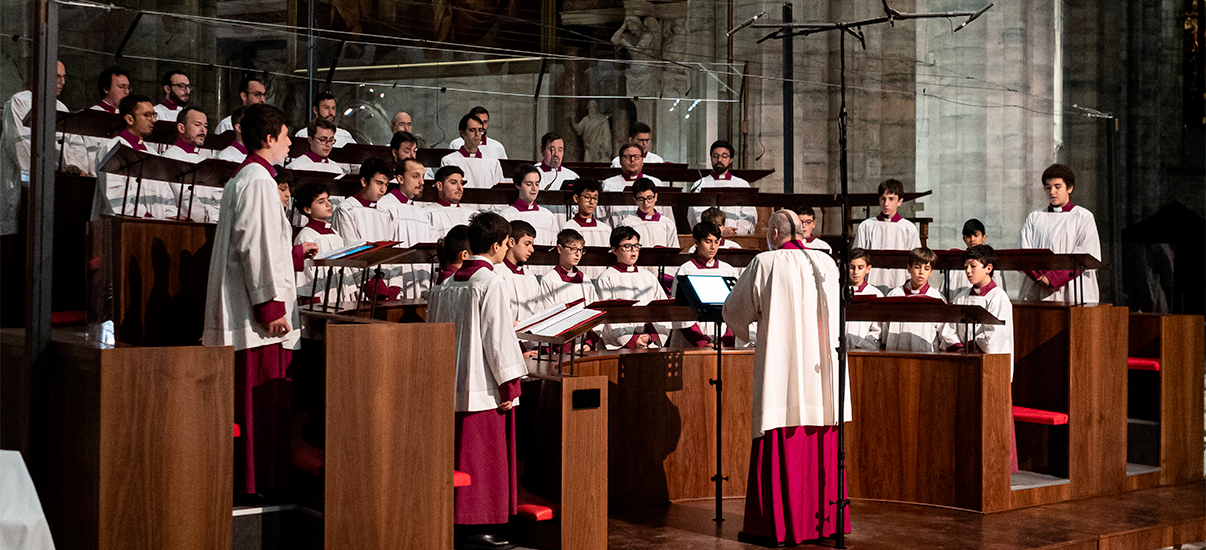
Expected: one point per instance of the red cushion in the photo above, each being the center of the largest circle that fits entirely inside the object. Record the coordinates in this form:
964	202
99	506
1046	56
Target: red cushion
461	479
535	512
1140	363
66	318
1036	416
237	431
309	459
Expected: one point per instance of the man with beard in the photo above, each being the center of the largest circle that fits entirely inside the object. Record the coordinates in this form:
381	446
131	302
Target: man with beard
324	108
201	203
739	220
176	91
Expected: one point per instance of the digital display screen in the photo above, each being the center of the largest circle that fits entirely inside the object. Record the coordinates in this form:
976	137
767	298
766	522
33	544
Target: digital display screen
711	289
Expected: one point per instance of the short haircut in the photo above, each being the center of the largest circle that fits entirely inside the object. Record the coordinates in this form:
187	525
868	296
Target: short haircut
401	168
548	138
445	171
714	215
922	255
1062	172
319	122
784	221
973	226
449	248
626	147
569	236
981	253
245	84
479	110
237	116
521	229
703	229
583	185
400	138
259	122
318	99
643	184
856	253
804	211
487	229
105	80
182	116
167	77
720	143
464	124
639	128
373	166
307	192
623	233
891	186
127	104
522	171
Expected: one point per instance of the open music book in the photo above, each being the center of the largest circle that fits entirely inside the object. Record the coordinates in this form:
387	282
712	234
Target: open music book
558	320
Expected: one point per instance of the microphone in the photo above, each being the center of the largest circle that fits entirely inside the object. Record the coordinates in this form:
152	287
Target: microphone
747	23
972	18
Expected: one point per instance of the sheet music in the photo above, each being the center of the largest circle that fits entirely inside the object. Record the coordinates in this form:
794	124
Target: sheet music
526	324
541	327
344	251
563	323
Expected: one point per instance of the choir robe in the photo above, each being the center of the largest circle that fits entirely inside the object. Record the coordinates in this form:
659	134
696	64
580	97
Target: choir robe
433	295
15	155
412	225
342	137
94	145
561	287
554	179
542	219
168	110
489	364
1067	230
620	282
616	213
595	232
445	215
958	283
649	156
235	152
655	230
481	171
156	199
699	334
327	239
792	293
223	126
205	201
923	337
724	243
522	289
358	220
251	282
313	163
864	335
813	243
881	233
741	218
988	338
489	146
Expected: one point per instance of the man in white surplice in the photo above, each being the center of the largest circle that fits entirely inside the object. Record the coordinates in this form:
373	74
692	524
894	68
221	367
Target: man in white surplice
792	293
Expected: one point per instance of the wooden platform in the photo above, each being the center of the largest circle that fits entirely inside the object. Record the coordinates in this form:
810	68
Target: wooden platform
1139	520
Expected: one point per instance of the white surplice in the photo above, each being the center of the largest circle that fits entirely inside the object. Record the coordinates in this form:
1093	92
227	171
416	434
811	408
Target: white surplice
632	283
880	233
988	338
14	156
155	200
922	337
205	201
522	290
412	225
558	288
445	216
489	146
864	335
1070	232
541	218
741	218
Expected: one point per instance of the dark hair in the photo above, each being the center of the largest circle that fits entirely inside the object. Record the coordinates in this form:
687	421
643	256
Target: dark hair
981	253
167	77
856	253
623	233
922	255
521	171
127	104
445	171
400	138
245	84
567	236
714	215
373	166
318	99
1062	172
703	229
307	192
643	184
401	168
464	124
521	229
973	226
182	116
548	138
891	186
724	144
236	117
479	110
449	248
639	128
104	81
626	147
487	229
582	185
804	211
260	121
319	122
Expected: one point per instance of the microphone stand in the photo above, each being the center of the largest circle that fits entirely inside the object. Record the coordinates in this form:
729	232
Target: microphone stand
788	30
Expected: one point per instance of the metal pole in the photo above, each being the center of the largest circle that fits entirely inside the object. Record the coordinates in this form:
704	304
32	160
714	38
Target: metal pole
789	146
544	62
719	479
843	275
311	66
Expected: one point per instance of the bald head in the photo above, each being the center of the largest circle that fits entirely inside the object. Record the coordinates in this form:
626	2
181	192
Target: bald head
401	123
783	226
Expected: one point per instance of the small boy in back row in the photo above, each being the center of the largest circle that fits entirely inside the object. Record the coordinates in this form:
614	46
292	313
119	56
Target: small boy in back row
921	337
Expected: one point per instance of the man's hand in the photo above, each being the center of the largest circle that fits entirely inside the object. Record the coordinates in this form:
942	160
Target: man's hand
727	231
1044	280
532	353
310	249
642	341
279	327
506	406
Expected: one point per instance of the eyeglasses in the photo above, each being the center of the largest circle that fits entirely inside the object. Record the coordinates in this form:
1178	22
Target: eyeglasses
721	156
577	251
630	247
630	157
585	198
183	86
646	200
257	94
325	141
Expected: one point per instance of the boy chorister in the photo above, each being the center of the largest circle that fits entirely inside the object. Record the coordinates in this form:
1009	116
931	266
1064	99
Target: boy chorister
250	302
519	283
625	281
978	263
716	216
888	231
357	219
480	171
448	211
594	230
411	225
974	234
489	367
527	181
915	336
453	251
1063	228
566	283
655	230
312	199
808	221
862	335
707	243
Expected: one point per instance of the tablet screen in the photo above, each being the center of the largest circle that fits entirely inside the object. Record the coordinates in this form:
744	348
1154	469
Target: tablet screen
711	289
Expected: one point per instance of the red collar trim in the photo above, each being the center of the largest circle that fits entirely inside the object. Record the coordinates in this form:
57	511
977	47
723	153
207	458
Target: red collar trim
323	228
919	292
444	275
981	291
655	216
171	105
188	147
544	168
105	105
132	140
638	176
793	245
1067	207
514	268
624	268
586	222
522	206
365	202
715	264
465	152
239	146
252	157
726	176
447	204
576	278
895	217
397	193
314	157
469	268
861	287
